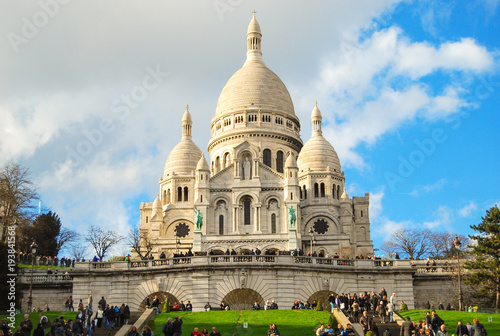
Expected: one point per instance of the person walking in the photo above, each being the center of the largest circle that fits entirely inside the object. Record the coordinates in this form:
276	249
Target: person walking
461	329
406	328
478	328
366	322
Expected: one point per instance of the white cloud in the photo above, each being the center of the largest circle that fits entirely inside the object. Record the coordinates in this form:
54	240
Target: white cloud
424	189
377	85
467	210
442	219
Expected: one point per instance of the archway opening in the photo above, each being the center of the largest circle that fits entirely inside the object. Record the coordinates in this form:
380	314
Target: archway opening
162	296
243	299
323	297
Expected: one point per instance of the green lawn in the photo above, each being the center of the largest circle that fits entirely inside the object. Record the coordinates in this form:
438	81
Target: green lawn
451	319
34	317
289	322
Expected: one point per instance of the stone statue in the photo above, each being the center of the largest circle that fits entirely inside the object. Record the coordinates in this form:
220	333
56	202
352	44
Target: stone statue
291	217
246	169
198	221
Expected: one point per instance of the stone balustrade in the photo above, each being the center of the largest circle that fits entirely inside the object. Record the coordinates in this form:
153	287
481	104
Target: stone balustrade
227	260
45	278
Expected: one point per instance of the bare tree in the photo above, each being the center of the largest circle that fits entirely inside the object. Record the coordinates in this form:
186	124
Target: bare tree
102	240
65	237
78	251
441	244
18	196
140	243
412	242
389	247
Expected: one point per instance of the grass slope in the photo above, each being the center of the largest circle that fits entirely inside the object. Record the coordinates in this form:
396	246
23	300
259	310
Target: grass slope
451	319
289	322
34	317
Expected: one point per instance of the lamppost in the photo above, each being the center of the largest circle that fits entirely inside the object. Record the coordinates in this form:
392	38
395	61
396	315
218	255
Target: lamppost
311	233
33	248
457	244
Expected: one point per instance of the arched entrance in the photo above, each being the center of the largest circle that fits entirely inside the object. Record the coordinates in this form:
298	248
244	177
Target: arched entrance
243	299
321	296
161	296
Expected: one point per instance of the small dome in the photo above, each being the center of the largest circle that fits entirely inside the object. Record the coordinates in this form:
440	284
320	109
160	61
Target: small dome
202	163
253	26
290	161
183	159
316	113
156	206
344	195
318	154
186	117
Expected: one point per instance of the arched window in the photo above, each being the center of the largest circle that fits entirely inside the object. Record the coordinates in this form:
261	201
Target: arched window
164	198
227	158
305	192
279	161
333	191
201	177
168	196
179	194
147	219
217	164
291	196
186	194
300	189
273	223
246	211
361	213
201	198
338	192
316	190
221	224
322	189
267	157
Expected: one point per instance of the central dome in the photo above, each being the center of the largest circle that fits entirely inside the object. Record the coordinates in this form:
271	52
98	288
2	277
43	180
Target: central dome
255	86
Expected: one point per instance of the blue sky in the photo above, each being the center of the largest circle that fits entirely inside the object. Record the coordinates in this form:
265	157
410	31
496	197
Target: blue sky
409	92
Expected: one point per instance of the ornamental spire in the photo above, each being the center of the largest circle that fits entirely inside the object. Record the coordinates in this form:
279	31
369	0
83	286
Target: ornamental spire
316	119
254	37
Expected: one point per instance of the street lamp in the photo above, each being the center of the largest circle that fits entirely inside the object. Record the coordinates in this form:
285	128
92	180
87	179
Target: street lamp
33	248
457	244
311	232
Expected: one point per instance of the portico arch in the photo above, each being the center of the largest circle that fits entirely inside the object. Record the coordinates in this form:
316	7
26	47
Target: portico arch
322	296
162	296
243	299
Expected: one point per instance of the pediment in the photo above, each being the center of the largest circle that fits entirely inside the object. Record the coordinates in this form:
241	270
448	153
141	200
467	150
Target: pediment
225	176
346	212
268	175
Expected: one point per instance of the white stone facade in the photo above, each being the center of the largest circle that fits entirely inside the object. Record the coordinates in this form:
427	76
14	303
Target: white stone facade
258	169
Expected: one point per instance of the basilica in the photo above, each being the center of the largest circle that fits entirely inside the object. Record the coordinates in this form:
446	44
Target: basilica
261	187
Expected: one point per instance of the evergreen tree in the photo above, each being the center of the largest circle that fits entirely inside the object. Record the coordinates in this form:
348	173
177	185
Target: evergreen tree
166	307
484	265
319	307
331	321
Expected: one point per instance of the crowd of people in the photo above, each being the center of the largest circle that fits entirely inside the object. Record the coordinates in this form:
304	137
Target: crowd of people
27	258
434	325
173	327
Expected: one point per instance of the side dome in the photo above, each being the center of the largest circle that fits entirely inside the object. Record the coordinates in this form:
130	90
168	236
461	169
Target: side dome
184	158
318	154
